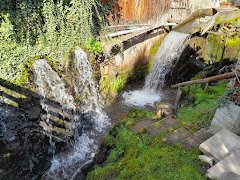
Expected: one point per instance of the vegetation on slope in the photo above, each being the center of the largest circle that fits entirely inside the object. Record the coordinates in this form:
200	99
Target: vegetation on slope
206	101
33	28
141	156
145	157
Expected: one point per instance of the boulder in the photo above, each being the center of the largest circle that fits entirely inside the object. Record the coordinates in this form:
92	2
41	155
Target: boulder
206	159
220	145
34	112
164	110
230	164
227	117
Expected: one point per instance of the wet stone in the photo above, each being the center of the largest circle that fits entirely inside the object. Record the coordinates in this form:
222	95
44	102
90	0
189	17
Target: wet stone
34	113
198	138
179	135
142	125
163	126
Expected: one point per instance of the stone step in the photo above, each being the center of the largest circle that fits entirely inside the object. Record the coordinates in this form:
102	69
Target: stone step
203	133
229	164
141	126
220	145
179	135
198	138
162	126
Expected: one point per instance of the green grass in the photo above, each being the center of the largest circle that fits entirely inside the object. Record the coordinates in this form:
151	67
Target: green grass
145	157
206	102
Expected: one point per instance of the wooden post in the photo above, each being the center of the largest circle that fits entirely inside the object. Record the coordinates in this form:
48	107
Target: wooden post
178	97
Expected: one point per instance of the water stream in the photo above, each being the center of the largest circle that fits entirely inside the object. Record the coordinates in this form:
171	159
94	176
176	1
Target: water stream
87	112
168	54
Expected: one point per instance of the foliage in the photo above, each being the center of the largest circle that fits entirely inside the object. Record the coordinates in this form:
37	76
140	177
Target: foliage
145	157
113	86
206	102
31	28
94	46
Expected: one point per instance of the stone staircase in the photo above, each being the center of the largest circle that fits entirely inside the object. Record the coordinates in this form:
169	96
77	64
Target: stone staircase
190	135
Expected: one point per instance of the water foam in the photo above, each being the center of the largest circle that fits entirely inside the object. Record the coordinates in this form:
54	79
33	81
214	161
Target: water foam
168	54
67	165
141	98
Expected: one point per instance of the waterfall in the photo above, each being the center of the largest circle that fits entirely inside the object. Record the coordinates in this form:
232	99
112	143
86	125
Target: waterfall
168	54
86	100
50	85
86	87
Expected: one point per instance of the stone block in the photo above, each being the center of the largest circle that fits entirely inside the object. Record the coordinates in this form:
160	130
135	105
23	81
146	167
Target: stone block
227	117
220	145
230	164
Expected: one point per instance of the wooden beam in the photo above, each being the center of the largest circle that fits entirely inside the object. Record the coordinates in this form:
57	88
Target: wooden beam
209	79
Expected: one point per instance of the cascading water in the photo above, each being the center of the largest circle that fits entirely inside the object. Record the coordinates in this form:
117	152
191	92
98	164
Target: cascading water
168	54
68	164
51	87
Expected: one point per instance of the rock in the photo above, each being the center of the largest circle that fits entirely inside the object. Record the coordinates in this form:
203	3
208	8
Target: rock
206	159
164	110
162	126
192	127
142	125
34	113
227	117
229	176
179	135
197	138
220	145
229	164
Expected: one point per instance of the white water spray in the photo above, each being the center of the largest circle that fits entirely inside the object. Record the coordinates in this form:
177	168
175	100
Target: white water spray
67	165
168	54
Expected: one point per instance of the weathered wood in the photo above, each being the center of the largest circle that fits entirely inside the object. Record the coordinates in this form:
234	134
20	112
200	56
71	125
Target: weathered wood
210	24
178	97
195	15
59	121
120	33
62	131
138	30
209	79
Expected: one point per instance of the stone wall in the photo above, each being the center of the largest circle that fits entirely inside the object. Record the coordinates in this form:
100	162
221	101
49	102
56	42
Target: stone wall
133	62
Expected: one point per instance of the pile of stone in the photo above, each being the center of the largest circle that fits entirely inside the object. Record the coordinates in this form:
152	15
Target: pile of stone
222	152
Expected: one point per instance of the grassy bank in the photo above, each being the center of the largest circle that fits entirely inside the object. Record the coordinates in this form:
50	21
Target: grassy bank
141	156
145	157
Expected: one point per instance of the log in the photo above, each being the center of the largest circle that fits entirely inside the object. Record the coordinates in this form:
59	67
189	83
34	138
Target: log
209	79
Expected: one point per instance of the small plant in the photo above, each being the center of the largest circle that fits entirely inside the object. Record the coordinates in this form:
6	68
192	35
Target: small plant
94	46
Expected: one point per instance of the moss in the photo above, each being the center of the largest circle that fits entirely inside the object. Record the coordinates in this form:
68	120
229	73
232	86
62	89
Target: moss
215	47
232	50
113	86
26	72
232	21
137	156
206	102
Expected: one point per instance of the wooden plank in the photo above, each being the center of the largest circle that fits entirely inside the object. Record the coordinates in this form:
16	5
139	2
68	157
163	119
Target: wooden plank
209	79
